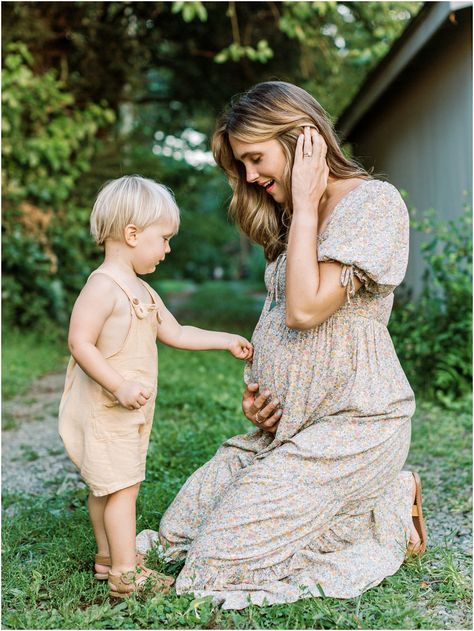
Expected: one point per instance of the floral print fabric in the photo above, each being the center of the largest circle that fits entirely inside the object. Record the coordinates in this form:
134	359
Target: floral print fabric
323	506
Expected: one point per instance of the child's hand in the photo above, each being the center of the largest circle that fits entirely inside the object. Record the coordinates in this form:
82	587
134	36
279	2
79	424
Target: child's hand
131	394
240	347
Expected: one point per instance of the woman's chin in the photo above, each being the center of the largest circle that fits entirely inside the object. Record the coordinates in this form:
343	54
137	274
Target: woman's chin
279	199
278	196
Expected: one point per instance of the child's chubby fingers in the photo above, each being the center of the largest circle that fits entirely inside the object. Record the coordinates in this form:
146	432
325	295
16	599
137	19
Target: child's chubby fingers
244	350
141	400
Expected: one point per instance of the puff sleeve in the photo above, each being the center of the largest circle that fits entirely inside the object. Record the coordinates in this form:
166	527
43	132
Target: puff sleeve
369	234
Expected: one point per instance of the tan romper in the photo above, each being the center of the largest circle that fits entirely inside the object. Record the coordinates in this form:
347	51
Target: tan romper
106	441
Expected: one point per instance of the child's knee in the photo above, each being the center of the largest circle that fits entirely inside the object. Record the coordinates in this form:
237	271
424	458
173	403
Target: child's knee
129	491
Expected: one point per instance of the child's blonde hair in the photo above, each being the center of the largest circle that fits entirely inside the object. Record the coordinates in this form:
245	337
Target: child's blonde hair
131	199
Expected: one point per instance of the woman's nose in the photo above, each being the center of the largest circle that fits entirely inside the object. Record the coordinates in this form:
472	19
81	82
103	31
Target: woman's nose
252	175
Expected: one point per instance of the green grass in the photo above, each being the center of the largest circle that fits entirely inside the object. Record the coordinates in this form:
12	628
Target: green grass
48	543
27	355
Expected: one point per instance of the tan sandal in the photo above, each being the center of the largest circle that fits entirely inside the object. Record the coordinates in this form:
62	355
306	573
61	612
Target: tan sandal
106	560
127	583
419	548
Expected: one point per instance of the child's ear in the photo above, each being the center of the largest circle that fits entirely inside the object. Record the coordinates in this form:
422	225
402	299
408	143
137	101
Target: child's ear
130	234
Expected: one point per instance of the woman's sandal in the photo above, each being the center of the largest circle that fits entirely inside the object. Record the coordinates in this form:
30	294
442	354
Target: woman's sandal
101	559
419	548
127	583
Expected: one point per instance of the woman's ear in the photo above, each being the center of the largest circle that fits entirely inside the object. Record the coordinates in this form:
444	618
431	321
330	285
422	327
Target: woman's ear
130	234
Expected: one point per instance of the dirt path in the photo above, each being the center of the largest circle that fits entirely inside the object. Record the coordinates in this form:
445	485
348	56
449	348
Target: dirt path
33	456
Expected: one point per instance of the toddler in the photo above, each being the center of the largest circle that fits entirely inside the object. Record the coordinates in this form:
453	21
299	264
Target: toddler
106	410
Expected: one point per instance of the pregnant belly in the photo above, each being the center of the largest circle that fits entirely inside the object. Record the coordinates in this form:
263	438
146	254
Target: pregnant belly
278	352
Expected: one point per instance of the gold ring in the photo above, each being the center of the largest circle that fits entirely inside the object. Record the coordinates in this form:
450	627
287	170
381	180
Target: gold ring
257	420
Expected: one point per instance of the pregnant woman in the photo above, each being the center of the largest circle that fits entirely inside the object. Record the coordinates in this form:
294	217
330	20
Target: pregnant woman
314	500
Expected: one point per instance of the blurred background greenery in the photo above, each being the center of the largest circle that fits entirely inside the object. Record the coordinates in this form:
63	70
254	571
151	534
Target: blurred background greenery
95	90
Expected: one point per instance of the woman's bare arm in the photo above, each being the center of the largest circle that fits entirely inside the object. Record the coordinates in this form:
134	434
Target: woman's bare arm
313	289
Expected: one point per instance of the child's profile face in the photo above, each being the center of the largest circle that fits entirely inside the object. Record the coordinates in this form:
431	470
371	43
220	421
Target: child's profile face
152	246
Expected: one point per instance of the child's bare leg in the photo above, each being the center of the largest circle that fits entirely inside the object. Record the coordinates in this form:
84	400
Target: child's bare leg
120	527
96	506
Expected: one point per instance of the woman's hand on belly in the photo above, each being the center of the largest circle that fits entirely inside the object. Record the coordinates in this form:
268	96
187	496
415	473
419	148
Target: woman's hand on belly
259	410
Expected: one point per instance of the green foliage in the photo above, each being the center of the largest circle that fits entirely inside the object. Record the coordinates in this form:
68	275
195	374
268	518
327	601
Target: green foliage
48	144
229	305
48	141
235	52
159	52
27	355
433	335
190	10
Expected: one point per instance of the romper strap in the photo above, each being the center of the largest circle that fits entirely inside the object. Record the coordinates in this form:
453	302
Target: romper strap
138	307
149	290
154	304
123	287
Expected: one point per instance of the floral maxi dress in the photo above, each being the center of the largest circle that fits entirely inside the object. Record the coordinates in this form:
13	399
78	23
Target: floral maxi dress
323	506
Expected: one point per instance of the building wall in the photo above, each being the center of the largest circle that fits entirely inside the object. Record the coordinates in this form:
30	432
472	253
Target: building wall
419	134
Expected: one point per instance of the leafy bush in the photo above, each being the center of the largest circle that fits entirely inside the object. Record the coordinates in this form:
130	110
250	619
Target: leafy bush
433	335
48	143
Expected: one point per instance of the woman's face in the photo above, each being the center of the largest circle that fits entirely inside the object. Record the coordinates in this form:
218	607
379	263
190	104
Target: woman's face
264	164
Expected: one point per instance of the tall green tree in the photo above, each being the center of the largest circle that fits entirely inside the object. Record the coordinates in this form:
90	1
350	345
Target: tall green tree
188	58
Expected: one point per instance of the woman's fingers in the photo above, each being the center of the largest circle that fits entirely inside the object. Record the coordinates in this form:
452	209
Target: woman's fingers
269	409
319	144
260	401
308	143
268	413
299	148
249	393
272	420
248	399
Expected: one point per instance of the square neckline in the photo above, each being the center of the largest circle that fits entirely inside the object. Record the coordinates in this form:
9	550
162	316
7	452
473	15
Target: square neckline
331	216
340	203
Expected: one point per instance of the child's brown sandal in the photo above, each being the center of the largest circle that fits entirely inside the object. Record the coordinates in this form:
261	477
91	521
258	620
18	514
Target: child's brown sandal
419	548
101	559
127	583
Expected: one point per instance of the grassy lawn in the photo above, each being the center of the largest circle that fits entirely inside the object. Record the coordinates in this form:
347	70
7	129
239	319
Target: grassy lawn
27	355
48	544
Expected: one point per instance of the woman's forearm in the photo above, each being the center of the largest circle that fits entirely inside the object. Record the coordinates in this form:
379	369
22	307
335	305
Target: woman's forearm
302	269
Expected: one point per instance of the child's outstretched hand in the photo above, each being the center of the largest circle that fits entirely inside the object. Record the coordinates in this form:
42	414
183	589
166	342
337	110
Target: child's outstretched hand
131	394
240	347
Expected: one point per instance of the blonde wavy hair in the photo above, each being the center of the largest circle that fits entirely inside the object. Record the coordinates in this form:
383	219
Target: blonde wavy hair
273	110
131	199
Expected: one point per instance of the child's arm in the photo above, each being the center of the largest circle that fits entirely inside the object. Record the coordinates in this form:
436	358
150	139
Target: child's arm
91	310
172	333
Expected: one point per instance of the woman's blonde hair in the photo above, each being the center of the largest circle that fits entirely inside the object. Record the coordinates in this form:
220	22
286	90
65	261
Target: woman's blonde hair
273	110
131	199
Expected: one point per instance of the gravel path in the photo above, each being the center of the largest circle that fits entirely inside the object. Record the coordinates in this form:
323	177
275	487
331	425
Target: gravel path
33	457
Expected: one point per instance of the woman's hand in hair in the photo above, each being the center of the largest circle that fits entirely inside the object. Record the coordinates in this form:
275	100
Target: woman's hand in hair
310	172
260	410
